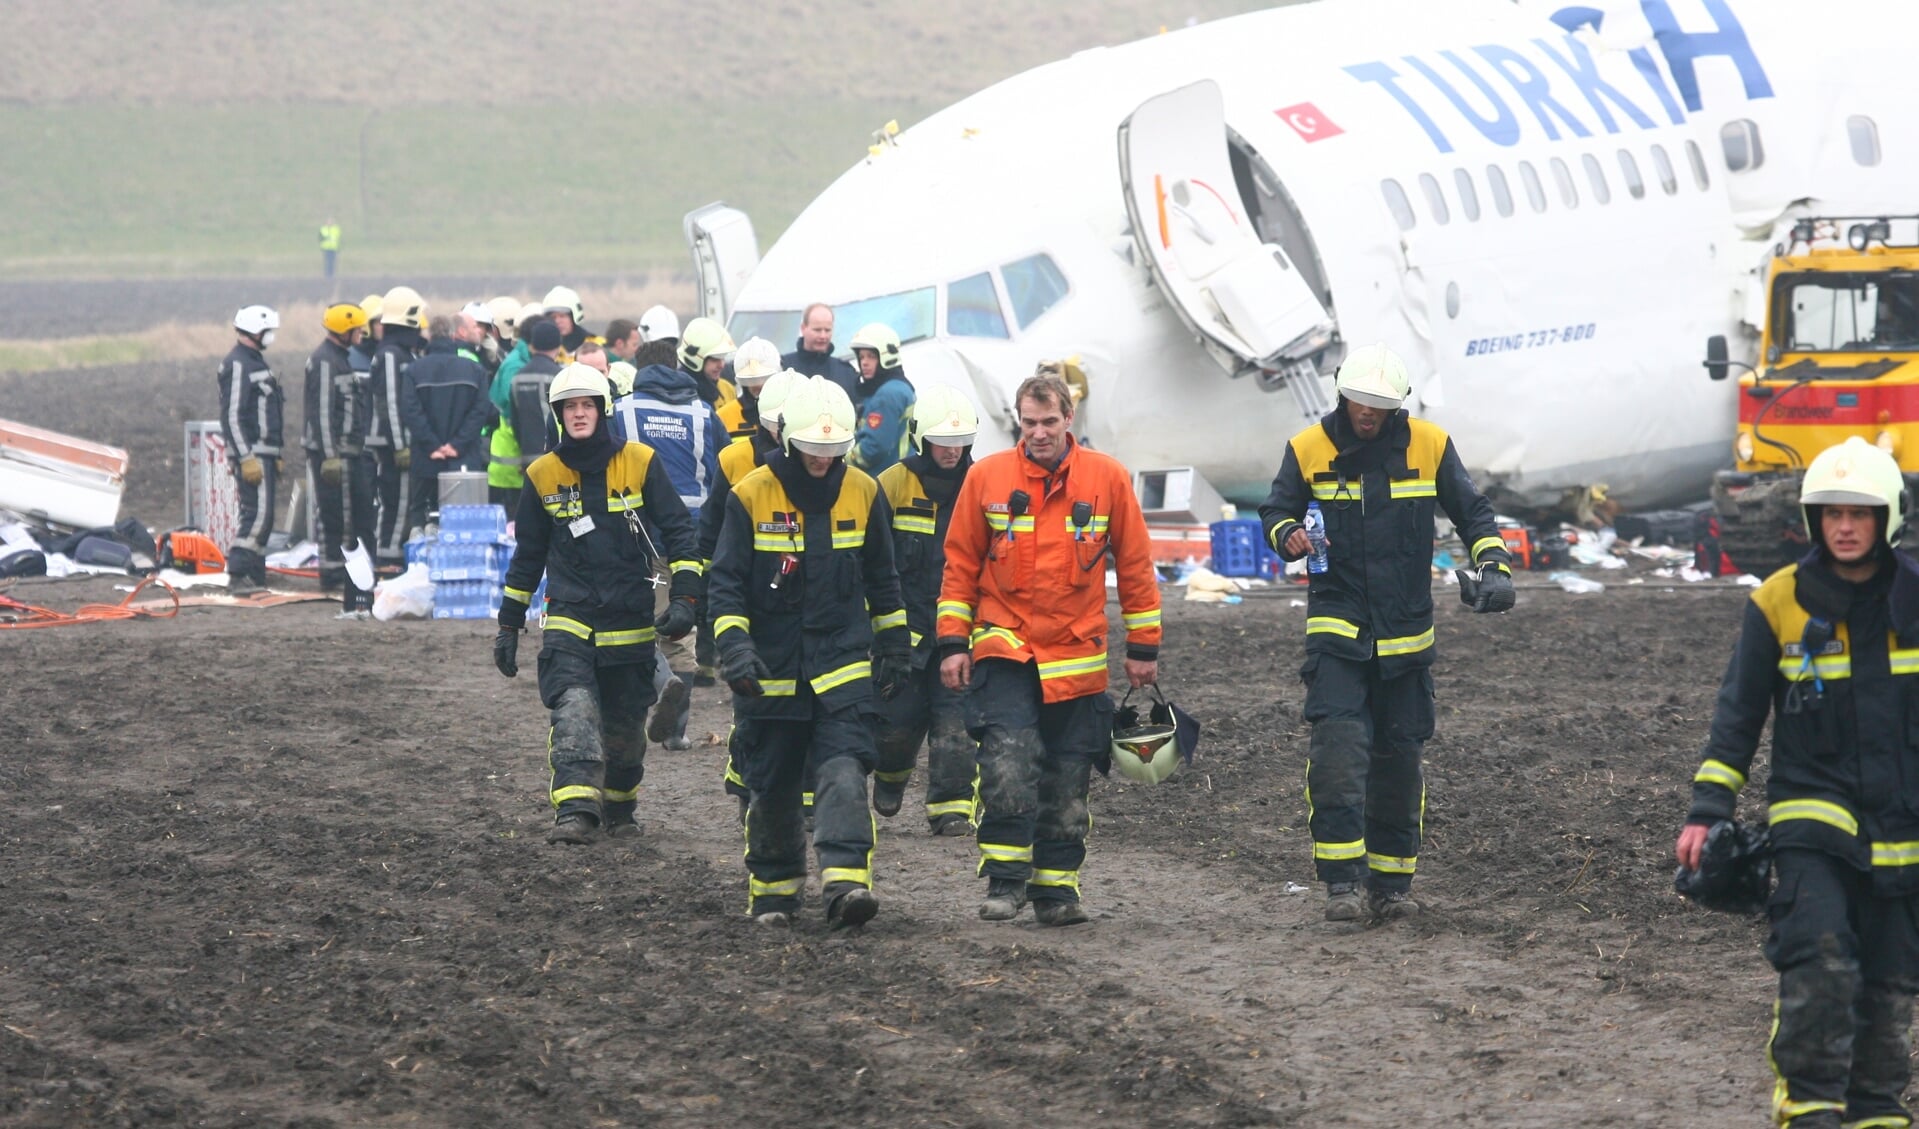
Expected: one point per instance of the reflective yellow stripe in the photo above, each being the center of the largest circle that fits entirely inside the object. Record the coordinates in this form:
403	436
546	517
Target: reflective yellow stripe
1485	543
912	523
732	775
997	633
1407	645
1096	525
776	543
694	567
1890	1121
1819	811
951	807
572	627
783	888
956	609
1784	1109
1387	864
890	619
1061	879
623	638
1895	854
779	687
916	637
1413	488
519	594
1067	668
575	792
1719	772
1137	620
849	538
1331	625
1904	662
840	677
833	874
1000	852
727	623
621	505
1337	491
1001	523
1340	851
618	796
564	509
1826	667
900	777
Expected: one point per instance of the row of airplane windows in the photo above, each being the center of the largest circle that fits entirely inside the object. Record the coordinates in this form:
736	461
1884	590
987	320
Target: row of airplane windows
1740	140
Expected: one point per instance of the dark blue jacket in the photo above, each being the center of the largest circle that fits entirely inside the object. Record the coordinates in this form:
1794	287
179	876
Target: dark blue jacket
443	400
666	412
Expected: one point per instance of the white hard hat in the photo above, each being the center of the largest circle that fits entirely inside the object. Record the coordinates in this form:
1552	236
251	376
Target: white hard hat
478	311
563	299
576	380
704	338
880	338
1854	473
774	394
255	320
659	324
817	419
943	416
754	361
1374	375
506	314
403	307
621	376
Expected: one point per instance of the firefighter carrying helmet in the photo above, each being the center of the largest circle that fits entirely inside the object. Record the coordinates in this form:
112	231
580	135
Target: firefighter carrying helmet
754	361
817	419
704	338
1854	473
403	306
774	394
659	324
1735	870
944	417
343	318
880	338
563	300
576	380
1149	752
1374	375
256	321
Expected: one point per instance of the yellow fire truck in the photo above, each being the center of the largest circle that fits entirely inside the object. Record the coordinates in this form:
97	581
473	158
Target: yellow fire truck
1839	356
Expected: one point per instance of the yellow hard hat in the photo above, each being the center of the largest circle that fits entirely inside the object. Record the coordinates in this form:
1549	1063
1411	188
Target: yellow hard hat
943	416
703	338
343	318
403	306
880	338
817	419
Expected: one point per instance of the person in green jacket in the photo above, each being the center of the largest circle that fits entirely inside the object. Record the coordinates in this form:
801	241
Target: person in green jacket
503	475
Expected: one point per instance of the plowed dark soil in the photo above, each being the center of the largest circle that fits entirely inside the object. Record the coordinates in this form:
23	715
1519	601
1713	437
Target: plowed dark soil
266	868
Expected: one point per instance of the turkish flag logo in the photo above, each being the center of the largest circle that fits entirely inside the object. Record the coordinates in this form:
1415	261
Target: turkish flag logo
1308	122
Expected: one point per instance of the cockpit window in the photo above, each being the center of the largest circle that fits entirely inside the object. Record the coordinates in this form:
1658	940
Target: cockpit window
1840	312
781	327
908	313
972	308
1034	286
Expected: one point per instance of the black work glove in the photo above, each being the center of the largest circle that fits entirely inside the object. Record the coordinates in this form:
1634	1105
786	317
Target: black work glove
742	668
891	674
677	620
1495	590
506	651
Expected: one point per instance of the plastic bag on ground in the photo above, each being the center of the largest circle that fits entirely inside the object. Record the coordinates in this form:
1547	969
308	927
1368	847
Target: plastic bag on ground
1573	582
406	596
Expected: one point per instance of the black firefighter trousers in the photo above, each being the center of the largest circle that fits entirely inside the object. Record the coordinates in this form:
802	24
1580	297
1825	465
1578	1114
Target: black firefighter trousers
1365	796
393	489
246	557
345	513
597	745
925	711
1848	965
773	758
1035	762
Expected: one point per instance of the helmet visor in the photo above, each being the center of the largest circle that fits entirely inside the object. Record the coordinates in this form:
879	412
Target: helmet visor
965	440
1841	498
824	450
1373	399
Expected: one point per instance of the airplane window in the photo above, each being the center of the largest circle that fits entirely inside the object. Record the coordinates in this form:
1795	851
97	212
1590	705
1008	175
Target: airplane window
1535	191
1435	198
1568	191
1740	140
1034	285
1468	195
908	313
1397	203
1662	164
782	327
1502	196
1698	162
1629	168
1596	176
1865	139
972	308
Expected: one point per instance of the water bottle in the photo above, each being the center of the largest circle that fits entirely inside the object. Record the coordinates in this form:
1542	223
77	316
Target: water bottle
1316	537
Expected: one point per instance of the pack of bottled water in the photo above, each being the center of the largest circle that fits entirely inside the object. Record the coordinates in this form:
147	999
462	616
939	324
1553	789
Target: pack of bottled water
467	559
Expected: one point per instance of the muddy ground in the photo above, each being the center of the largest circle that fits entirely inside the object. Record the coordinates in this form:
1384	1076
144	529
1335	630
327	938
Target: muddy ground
266	868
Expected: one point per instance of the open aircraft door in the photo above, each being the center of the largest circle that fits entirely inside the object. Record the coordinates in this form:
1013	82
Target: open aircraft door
1244	300
725	251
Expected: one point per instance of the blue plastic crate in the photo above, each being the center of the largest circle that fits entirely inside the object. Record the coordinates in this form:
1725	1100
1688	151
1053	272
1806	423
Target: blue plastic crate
1239	549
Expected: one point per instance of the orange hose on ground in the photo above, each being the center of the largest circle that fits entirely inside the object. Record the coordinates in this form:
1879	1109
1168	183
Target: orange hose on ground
90	613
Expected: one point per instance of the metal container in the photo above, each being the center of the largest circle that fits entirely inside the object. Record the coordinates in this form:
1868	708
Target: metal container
463	488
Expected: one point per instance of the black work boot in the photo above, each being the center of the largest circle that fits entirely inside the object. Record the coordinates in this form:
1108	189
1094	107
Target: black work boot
622	825
849	904
669	713
951	824
575	828
1342	901
888	795
1059	911
1004	897
1390	905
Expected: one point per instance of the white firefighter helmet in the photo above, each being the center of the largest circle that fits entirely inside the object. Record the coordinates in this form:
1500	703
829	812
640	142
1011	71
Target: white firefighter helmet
564	300
1374	375
774	394
506	314
1854	473
704	338
1146	754
621	375
817	419
659	324
879	337
256	321
943	416
754	361
403	306
478	311
576	380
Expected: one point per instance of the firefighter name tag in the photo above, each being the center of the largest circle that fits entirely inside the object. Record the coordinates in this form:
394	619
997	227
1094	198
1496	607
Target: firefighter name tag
580	526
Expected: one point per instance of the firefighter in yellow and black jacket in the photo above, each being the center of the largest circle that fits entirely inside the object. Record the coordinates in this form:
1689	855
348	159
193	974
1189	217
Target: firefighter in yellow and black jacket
583	519
1829	648
1376	475
808	622
921	489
